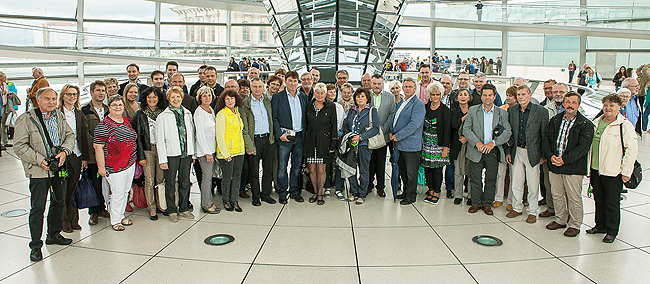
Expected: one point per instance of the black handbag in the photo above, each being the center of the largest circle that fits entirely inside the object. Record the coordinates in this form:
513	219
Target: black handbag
637	173
85	196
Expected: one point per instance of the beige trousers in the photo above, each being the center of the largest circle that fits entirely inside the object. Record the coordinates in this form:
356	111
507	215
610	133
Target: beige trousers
567	198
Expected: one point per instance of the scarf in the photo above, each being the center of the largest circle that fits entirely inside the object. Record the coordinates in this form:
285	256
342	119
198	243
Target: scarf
182	132
151	114
346	105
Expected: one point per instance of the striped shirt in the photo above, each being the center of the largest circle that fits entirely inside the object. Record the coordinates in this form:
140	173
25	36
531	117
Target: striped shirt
119	143
564	133
52	126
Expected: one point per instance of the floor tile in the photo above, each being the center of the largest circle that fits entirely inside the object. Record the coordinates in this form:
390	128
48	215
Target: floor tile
634	229
15	254
447	213
333	213
168	270
87	266
248	240
301	274
20	187
7	196
12	176
515	246
643	210
401	246
8	223
629	266
308	246
532	271
384	213
415	274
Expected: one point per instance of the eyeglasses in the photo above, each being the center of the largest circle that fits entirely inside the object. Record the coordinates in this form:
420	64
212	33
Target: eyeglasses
548	88
117	106
70	94
342	78
559	92
435	94
447	83
408	87
463	79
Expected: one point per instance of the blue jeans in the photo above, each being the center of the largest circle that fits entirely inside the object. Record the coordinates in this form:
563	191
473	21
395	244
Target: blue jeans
360	187
449	176
286	149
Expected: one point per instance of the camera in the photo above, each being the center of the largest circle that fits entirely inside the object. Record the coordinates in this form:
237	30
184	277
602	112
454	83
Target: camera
52	161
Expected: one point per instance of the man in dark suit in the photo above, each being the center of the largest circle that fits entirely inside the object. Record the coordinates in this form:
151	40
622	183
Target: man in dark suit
133	71
384	102
200	82
529	124
486	129
288	110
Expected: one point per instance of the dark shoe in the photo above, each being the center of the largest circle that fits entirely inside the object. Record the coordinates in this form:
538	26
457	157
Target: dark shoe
450	194
381	193
67	228
546	213
236	206
94	219
153	218
531	218
487	210
228	207
76	227
36	255
256	202
57	240
406	202
400	196
469	201
513	214
243	194
458	201
8	145
554	226
269	200
312	199
473	209
297	198
609	239
321	201
542	202
283	200
105	214
571	232
190	205
595	230
624	190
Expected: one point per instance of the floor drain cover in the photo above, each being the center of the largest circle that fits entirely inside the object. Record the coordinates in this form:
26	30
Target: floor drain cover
489	241
219	240
14	213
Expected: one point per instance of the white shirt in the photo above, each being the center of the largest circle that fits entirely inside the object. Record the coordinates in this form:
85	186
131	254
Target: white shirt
400	109
152	130
72	122
100	112
206	140
340	116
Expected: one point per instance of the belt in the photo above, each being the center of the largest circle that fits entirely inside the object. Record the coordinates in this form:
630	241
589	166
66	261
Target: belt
523	147
261	135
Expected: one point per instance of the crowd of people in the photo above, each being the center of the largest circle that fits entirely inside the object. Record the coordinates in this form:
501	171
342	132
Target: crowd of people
335	137
443	64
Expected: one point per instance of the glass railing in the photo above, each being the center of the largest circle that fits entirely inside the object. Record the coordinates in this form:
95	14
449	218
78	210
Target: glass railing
622	17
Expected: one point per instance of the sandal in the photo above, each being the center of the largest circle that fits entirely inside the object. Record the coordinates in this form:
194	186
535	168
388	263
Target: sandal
313	199
127	222
351	199
212	210
359	201
118	227
320	201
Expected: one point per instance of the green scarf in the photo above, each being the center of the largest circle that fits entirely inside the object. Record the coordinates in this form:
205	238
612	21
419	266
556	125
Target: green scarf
151	114
182	132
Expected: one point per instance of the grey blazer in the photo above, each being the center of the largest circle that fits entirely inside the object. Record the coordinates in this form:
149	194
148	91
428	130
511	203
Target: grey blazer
473	131
386	111
535	128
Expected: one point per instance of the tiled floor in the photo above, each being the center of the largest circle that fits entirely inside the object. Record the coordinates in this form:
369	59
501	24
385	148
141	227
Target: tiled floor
377	242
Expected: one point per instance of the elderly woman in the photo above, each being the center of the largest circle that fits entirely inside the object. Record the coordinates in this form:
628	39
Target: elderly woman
244	88
130	96
115	152
358	121
458	143
69	105
436	137
144	123
320	139
206	143
112	87
175	137
273	85
230	147
611	164
346	97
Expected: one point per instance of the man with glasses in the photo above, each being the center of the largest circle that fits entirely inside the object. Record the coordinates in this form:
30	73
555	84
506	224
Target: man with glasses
463	83
306	83
631	108
548	91
447	84
341	78
273	85
479	80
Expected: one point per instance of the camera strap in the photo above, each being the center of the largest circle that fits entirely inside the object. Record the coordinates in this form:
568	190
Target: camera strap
47	134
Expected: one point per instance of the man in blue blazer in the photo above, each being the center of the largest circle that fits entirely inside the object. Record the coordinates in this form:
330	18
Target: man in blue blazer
406	133
288	110
486	129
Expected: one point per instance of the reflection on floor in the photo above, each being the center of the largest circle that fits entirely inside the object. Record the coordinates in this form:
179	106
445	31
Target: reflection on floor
377	242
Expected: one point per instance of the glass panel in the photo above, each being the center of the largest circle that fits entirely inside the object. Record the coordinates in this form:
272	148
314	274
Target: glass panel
59	8
117	10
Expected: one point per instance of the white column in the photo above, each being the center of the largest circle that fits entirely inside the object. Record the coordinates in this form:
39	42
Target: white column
432	14
80	40
228	32
583	39
157	29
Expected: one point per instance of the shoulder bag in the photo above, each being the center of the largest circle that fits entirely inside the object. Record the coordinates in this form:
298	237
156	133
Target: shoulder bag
637	173
378	140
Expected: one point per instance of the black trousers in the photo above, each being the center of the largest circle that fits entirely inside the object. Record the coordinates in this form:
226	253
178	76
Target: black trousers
489	162
378	168
409	163
39	188
181	167
607	195
97	184
264	151
433	176
244	173
70	213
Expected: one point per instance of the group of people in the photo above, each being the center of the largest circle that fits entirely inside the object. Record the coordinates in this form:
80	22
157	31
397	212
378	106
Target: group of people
338	135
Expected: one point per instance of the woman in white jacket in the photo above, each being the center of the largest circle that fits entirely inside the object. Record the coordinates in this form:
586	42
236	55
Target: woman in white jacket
611	164
206	144
175	143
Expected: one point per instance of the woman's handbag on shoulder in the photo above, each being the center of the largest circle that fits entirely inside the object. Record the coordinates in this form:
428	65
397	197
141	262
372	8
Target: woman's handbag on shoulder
637	173
378	140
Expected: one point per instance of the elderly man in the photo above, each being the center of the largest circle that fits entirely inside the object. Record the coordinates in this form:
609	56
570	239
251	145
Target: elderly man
529	124
315	73
406	132
259	140
447	83
43	141
548	92
39	83
384	102
365	81
254	72
479	80
132	71
631	107
306	83
463	83
425	80
568	138
486	129
200	82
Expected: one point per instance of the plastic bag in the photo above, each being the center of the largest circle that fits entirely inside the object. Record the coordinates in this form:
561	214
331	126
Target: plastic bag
85	195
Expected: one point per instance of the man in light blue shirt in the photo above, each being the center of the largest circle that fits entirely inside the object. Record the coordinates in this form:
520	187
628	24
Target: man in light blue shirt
487	124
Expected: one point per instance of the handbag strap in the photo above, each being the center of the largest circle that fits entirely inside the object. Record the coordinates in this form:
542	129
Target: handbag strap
622	143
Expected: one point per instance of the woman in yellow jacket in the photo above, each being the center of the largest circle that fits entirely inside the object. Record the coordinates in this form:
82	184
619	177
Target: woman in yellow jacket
230	147
610	165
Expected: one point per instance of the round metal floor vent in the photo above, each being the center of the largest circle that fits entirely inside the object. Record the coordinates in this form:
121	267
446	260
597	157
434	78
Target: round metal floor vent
489	241
14	213
219	240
